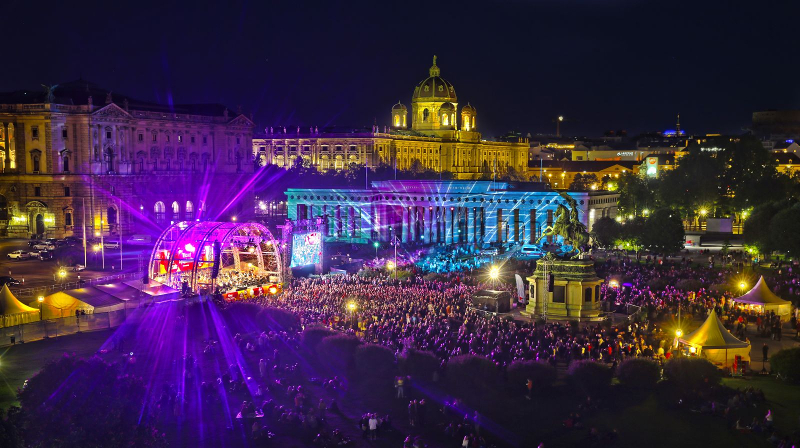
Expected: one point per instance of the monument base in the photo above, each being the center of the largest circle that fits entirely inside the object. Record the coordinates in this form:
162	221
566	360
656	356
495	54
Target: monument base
573	295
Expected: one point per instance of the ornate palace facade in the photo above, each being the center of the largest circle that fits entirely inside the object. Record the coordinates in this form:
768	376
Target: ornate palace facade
66	154
441	138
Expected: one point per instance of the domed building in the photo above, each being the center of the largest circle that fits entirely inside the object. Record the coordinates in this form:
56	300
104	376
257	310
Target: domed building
436	139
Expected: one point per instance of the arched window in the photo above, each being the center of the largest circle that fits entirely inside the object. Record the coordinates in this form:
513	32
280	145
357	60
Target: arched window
425	114
189	210
35	160
68	218
445	119
3	208
587	295
159	211
112	215
65	164
397	121
176	211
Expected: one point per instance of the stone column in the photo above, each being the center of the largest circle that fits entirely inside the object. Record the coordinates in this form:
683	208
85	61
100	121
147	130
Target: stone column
338	221
471	225
516	226
404	225
499	226
428	225
412	223
7	150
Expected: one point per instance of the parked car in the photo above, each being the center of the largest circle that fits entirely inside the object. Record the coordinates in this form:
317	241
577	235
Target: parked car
139	239
18	255
72	240
111	244
44	246
45	255
8	280
32	243
78	268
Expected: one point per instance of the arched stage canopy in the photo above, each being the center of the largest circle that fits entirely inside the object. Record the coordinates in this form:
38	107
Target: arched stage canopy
764	299
185	253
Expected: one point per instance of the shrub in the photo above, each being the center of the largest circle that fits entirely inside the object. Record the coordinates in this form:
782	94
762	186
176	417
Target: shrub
542	374
589	376
277	319
689	284
313	335
691	373
471	376
658	284
374	362
418	364
787	363
719	287
639	373
337	351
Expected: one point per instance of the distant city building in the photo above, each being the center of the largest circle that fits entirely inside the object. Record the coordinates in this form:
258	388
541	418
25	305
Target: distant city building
441	138
559	174
777	124
76	150
443	212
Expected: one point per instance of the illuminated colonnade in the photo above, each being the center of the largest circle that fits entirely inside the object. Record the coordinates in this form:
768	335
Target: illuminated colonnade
442	212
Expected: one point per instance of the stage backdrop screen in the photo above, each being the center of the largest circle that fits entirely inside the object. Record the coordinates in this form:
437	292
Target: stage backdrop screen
306	249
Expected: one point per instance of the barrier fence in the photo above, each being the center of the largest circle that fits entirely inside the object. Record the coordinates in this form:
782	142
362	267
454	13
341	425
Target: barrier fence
52	328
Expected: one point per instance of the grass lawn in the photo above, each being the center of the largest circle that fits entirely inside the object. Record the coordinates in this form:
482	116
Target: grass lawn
782	398
22	361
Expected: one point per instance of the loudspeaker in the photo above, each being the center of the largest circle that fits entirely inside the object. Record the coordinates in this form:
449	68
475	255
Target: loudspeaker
217	256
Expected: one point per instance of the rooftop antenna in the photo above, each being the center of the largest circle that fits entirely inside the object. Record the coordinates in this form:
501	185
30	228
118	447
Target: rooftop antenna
678	125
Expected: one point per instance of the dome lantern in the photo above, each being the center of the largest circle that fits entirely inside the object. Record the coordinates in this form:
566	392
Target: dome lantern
468	114
399	116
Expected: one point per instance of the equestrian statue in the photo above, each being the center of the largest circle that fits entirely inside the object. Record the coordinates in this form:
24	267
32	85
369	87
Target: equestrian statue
568	226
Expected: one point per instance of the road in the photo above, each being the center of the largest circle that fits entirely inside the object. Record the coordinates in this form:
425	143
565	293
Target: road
34	273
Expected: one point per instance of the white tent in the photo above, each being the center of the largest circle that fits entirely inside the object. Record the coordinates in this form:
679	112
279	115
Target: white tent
715	343
13	312
762	298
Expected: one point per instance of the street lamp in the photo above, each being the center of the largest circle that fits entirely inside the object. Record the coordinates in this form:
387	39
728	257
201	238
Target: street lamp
41	300
742	285
678	332
494	273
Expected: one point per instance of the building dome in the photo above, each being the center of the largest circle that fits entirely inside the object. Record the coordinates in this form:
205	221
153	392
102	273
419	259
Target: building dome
468	110
434	87
447	107
399	107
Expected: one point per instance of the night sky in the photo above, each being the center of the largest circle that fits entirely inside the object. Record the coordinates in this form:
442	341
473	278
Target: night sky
603	64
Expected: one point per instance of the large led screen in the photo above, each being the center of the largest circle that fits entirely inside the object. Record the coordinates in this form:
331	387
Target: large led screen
306	248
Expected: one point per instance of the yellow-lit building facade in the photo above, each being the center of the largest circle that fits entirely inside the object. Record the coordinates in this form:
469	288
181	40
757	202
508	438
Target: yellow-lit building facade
441	137
560	174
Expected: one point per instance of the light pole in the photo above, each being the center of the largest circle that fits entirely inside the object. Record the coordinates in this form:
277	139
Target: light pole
41	299
376	245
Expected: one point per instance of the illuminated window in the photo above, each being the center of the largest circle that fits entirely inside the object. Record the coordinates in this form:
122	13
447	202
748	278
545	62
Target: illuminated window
158	208
155	136
445	119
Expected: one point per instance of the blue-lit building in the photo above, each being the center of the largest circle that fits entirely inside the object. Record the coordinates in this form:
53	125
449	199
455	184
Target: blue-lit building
443	212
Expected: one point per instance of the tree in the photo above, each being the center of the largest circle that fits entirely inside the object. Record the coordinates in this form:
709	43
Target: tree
605	232
663	232
631	235
785	231
757	226
583	182
635	194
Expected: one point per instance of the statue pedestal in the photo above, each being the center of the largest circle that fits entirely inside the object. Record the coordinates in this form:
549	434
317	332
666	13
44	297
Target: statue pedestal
574	294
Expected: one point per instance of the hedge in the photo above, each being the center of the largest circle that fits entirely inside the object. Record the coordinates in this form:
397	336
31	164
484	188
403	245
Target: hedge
420	365
313	335
542	374
373	361
337	351
639	373
691	373
786	362
589	376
